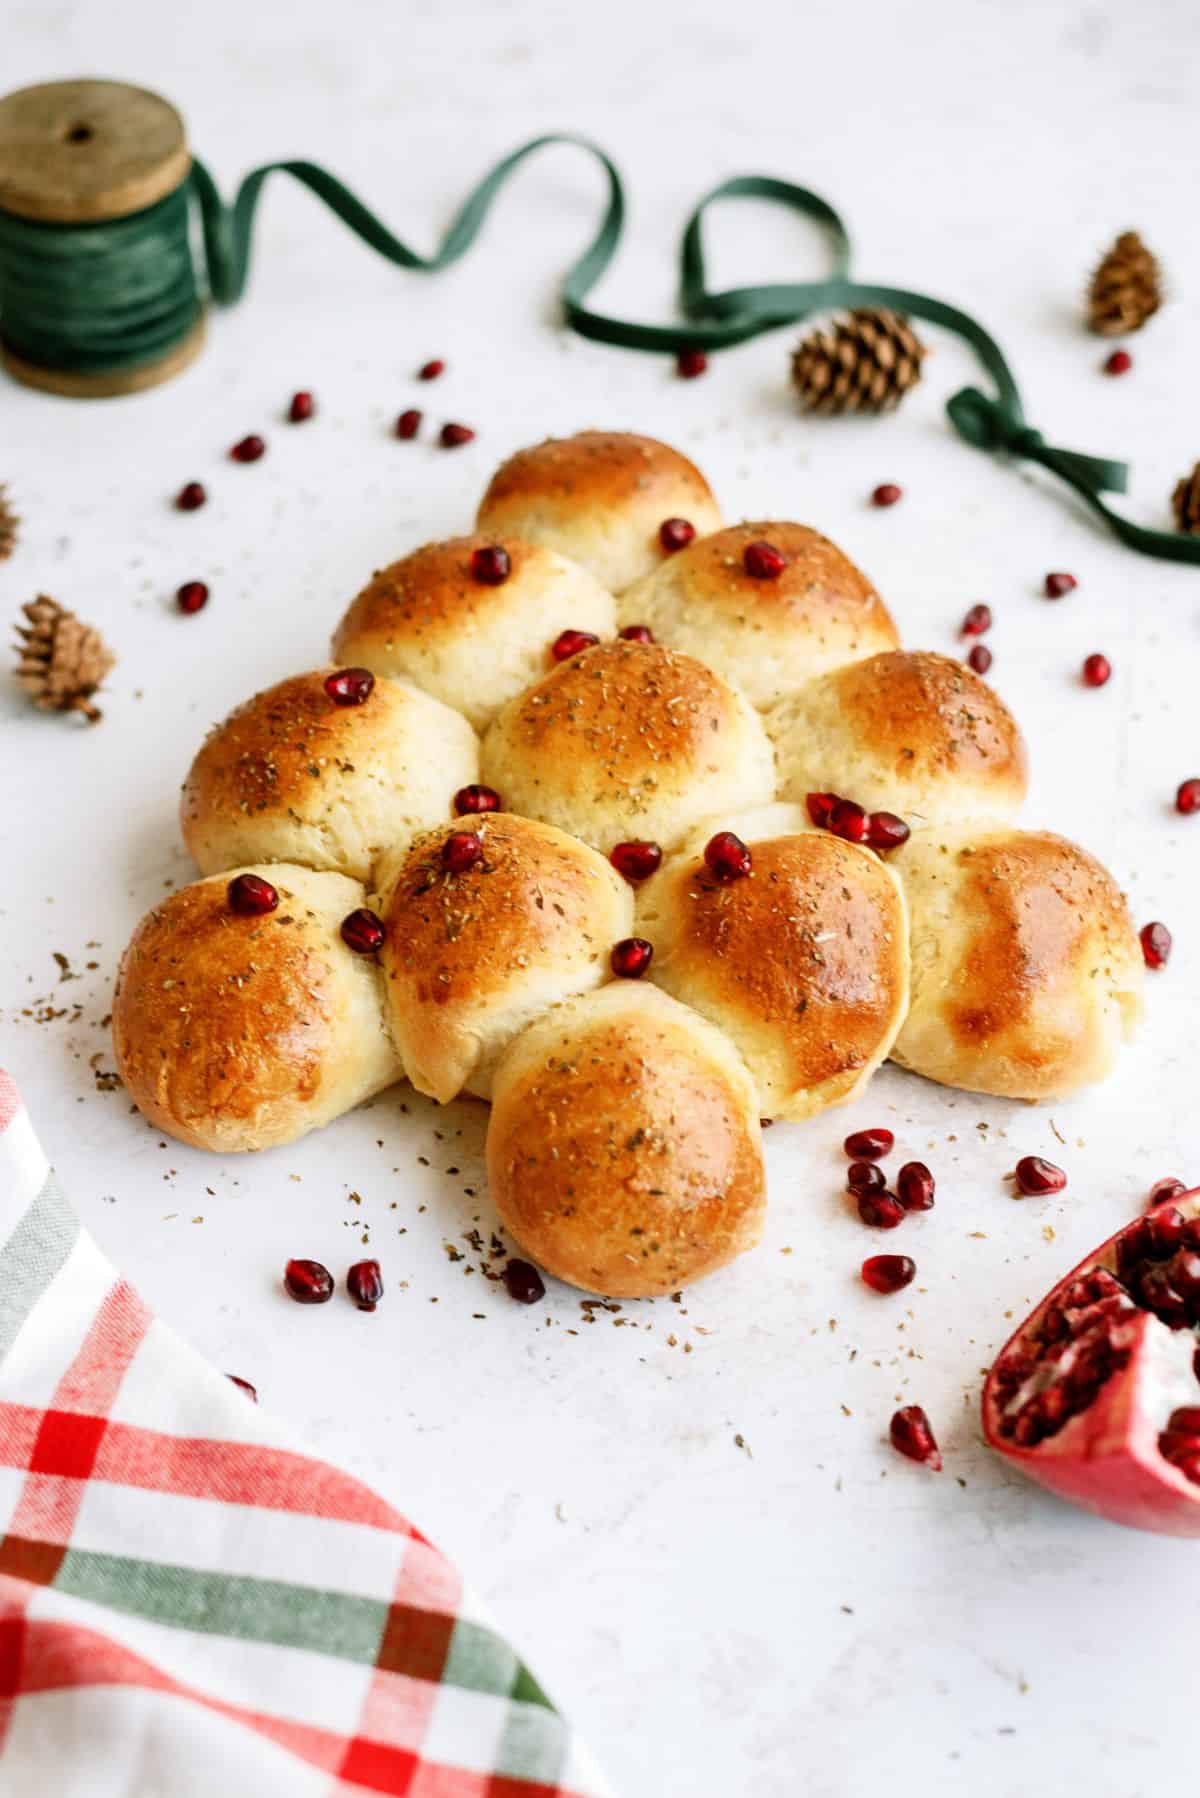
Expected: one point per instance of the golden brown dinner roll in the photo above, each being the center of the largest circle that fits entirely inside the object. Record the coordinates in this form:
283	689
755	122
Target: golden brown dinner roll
628	740
1026	972
472	956
767	634
909	732
472	642
600	497
293	775
804	963
237	1031
624	1151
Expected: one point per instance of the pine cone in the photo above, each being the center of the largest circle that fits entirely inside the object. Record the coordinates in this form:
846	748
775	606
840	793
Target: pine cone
1186	501
8	526
1126	288
865	363
60	661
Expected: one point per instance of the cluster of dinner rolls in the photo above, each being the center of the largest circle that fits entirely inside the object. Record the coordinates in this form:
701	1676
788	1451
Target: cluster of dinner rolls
640	828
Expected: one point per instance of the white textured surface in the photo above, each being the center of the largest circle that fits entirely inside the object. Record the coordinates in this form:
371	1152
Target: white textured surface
811	1613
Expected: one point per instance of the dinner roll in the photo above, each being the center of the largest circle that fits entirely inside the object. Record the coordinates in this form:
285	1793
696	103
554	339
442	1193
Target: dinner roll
907	731
1026	972
804	963
601	498
628	740
294	776
767	635
471	957
471	643
242	1032
624	1152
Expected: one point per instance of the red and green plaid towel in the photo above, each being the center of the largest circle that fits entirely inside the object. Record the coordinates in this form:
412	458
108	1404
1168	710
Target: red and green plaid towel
163	1632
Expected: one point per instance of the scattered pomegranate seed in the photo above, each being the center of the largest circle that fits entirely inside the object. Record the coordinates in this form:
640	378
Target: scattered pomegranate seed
1097	671
524	1282
912	1436
636	860
243	1386
490	565
690	363
1185	1419
474	799
1035	1176
364	1283
676	533
454	436
1156	945
886	494
569	643
190	496
308	1282
461	850
631	957
726	856
1187	798
849	820
820	808
886	831
248	449
192	596
409	423
980	658
1119	363
865	1176
977	620
637	633
251	896
1164	1190
303	406
429	371
762	561
881	1210
1058	584
915	1186
888	1273
350	686
363	931
870	1145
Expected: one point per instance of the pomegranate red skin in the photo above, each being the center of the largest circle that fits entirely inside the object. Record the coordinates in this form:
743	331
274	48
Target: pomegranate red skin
1106	1460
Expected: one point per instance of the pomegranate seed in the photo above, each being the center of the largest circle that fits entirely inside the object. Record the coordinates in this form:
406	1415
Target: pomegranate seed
1187	798
636	633
362	931
726	856
881	1210
429	371
569	643
1196	1363
1164	1190
303	406
886	831
474	799
461	850
190	497
886	494
864	1176
251	896
977	620
308	1282
1035	1176
631	957
1186	1419
636	860
1058	584
243	1386
454	436
762	561
690	363
490	565
676	533
364	1283
350	686
248	449
409	423
911	1434
915	1186
1164	1231
1097	671
1156	945
820	808
192	596
1119	363
979	658
869	1145
524	1282
849	820
888	1273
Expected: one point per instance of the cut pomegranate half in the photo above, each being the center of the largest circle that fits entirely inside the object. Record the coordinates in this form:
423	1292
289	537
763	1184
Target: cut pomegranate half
1094	1395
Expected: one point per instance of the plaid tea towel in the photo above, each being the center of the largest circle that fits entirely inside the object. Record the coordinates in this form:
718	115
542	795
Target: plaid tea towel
189	1607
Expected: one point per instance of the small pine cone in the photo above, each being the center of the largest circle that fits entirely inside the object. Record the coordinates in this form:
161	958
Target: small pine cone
8	526
864	363
60	660
1126	288
1186	501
